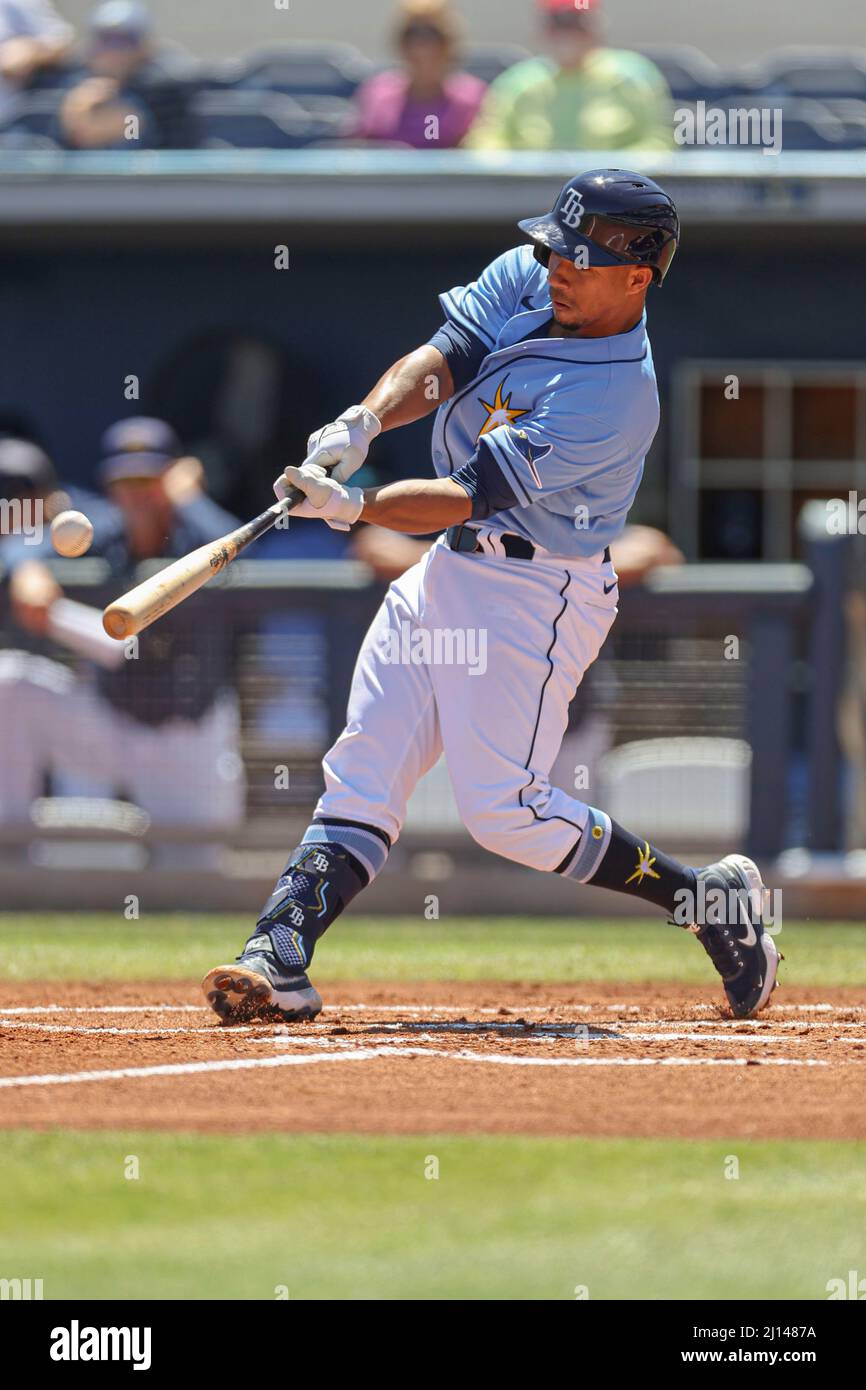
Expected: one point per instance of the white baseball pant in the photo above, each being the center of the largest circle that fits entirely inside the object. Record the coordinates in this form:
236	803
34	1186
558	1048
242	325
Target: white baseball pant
478	655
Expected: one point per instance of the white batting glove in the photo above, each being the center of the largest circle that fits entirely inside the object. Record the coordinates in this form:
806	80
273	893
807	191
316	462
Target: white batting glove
327	500
343	446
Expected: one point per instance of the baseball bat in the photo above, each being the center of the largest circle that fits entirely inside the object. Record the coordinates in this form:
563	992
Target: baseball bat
141	606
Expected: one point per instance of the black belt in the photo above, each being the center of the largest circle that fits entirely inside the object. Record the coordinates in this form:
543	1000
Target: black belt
466	538
515	547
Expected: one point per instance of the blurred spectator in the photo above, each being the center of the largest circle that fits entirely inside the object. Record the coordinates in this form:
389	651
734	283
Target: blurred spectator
639	551
426	102
127	77
162	727
388	553
583	96
33	37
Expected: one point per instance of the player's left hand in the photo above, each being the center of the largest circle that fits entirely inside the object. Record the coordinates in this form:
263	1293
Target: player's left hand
327	500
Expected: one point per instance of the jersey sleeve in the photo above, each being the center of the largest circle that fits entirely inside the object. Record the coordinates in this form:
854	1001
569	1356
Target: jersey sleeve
485	483
463	351
555	450
484	306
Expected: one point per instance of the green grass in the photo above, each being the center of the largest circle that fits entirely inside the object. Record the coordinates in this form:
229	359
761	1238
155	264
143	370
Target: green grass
106	946
345	1217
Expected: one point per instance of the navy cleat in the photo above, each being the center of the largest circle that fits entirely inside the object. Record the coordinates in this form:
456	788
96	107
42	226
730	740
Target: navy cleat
732	933
258	985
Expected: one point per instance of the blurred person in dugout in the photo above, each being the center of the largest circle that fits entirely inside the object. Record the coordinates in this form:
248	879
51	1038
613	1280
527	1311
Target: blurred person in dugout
581	96
33	40
31	495
161	726
427	102
126	74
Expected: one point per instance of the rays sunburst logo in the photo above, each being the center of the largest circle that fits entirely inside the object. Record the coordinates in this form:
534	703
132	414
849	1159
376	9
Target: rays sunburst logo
500	412
644	869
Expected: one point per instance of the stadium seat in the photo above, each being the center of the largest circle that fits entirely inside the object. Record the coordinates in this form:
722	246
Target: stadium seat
810	125
256	119
683	790
306	69
852	114
489	60
23	140
33	113
813	72
689	73
336	117
217	76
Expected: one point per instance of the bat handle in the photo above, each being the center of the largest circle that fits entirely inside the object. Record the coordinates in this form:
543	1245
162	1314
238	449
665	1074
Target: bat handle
293	496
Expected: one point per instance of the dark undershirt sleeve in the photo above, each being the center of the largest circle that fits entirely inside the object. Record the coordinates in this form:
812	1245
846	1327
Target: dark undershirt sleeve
485	483
462	350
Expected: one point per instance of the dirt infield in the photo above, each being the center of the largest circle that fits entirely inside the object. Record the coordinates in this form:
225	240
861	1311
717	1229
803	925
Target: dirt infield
613	1060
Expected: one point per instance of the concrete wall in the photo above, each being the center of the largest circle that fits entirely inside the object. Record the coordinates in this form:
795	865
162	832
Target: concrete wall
738	30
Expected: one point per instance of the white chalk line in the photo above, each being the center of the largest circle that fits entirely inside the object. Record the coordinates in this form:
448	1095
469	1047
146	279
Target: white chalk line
755	1031
80	1030
600	1008
106	1009
650	1032
372	1053
342	1008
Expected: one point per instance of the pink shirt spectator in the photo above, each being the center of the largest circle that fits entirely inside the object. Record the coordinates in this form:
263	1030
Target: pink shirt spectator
387	112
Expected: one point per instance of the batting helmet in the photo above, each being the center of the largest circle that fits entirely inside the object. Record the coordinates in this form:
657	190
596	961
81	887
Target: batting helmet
617	217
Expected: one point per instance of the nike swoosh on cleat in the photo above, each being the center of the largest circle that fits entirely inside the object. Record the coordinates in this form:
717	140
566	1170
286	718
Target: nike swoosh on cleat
750	939
608	587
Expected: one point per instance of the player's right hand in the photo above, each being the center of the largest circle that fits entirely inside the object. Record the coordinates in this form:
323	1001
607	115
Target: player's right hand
32	591
340	447
326	499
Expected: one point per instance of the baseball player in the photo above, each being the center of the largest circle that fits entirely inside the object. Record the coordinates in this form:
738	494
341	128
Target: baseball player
543	382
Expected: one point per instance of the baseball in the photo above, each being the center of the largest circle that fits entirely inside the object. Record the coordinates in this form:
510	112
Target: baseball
71	533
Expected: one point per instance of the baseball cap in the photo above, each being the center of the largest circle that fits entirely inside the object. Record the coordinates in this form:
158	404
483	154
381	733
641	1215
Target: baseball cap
122	18
24	468
568	7
140	447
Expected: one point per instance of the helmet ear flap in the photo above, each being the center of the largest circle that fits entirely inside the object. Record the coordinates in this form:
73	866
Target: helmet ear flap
541	254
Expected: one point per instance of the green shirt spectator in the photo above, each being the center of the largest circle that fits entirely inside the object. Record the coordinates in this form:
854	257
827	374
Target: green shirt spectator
583	96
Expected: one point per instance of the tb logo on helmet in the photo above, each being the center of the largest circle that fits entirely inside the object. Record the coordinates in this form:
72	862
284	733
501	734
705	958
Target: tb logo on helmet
572	209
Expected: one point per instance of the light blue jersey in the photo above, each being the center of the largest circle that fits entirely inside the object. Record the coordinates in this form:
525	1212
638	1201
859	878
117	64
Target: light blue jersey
568	420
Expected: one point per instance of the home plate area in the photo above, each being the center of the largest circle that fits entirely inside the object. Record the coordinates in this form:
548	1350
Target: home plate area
583	1059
